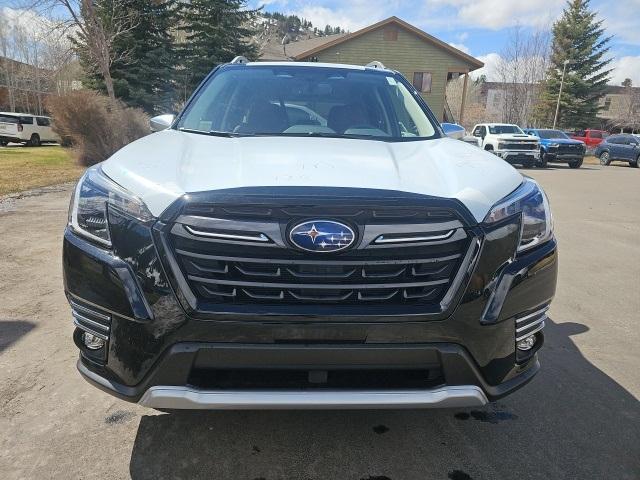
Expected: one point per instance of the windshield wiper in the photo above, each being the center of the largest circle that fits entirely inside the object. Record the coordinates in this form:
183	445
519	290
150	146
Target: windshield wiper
213	133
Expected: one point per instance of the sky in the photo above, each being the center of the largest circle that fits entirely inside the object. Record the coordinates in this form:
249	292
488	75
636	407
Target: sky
478	27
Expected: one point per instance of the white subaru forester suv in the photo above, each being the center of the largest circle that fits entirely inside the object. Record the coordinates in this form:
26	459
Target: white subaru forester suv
304	235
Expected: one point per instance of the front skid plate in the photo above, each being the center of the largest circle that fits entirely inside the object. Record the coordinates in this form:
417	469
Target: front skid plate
174	397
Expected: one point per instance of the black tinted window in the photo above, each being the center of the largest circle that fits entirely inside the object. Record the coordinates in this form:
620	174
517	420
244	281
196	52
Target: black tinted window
301	100
43	122
500	129
26	120
8	119
547	134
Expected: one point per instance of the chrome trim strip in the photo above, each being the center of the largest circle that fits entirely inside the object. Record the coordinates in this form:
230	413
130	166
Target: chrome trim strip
89	330
429	238
537	312
180	397
227	236
92	323
535	330
532	324
102	316
69	294
318	286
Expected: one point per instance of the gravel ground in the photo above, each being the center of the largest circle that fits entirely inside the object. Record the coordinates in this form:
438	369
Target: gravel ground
580	418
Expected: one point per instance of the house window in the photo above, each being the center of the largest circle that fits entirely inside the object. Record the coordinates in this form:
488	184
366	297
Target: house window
391	33
422	81
607	103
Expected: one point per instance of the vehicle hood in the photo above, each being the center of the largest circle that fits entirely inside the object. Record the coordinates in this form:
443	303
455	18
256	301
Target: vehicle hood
514	136
562	141
163	166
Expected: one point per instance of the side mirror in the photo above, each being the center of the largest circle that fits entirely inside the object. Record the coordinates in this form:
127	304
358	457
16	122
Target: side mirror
161	122
453	130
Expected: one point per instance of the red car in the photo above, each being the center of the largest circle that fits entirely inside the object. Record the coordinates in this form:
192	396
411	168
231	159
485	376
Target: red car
592	138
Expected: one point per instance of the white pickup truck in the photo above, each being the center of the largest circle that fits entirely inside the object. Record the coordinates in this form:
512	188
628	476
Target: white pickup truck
508	142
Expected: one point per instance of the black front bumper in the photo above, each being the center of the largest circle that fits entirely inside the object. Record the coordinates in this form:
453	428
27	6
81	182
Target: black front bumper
152	340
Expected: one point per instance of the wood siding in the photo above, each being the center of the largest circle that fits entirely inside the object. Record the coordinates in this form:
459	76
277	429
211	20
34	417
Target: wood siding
407	54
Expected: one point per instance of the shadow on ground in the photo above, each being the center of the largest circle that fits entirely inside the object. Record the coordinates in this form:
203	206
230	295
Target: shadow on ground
12	330
572	421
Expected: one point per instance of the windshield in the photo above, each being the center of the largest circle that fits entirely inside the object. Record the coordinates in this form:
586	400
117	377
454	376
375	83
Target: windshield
498	129
551	134
307	101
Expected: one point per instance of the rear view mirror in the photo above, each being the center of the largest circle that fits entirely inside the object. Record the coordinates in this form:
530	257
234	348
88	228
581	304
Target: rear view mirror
161	122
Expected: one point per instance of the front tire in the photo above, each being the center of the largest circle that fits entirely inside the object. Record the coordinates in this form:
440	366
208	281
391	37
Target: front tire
528	163
605	159
542	161
575	163
34	141
4	143
635	164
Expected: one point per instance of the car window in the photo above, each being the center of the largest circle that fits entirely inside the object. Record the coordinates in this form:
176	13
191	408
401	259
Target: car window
499	129
615	139
317	101
26	120
8	119
595	134
43	121
551	134
580	133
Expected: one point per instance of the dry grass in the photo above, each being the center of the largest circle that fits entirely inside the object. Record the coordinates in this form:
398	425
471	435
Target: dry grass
23	168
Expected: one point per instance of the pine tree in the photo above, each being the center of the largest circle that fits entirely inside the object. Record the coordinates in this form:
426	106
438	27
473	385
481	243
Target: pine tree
215	31
144	70
579	39
146	78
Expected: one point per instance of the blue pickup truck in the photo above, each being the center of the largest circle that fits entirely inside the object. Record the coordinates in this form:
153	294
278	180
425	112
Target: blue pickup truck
556	146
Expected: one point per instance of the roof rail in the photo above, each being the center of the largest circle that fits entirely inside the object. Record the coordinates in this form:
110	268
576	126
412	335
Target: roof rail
375	64
240	59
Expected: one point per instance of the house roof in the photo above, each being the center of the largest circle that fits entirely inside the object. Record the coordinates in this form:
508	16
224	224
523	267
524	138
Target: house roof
333	40
274	50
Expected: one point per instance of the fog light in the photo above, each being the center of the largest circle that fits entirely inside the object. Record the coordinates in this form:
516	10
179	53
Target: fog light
526	343
92	342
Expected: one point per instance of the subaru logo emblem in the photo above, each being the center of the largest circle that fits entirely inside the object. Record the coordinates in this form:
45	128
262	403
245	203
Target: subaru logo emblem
322	236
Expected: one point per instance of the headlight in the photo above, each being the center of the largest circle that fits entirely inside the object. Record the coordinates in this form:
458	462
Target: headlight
500	146
94	195
554	145
530	201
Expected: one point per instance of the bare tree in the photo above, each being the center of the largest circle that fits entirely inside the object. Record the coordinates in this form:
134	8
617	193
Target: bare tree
522	66
628	109
97	25
35	55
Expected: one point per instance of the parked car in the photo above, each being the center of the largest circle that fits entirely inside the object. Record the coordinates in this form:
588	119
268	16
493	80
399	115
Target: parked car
508	142
556	146
592	138
24	128
239	260
624	147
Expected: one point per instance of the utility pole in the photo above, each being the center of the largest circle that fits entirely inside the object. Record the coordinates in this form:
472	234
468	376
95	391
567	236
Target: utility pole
555	117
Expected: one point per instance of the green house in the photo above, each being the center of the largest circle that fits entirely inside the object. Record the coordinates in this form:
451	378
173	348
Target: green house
423	59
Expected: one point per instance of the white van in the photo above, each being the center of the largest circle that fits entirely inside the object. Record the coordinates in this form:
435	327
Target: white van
24	128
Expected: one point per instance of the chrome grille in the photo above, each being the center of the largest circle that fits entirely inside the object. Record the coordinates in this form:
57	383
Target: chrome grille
226	260
518	146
